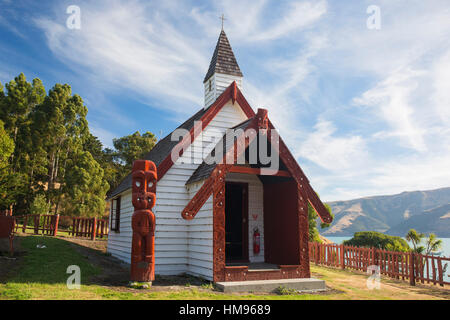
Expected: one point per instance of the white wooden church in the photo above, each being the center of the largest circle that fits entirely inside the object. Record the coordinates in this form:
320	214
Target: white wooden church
222	222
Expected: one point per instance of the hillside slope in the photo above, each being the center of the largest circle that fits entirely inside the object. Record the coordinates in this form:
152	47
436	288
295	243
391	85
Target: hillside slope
425	211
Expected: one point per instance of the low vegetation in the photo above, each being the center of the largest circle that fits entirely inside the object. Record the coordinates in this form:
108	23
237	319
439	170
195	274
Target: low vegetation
40	272
431	243
373	239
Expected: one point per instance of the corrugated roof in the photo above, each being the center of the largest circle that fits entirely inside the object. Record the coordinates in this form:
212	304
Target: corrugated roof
223	59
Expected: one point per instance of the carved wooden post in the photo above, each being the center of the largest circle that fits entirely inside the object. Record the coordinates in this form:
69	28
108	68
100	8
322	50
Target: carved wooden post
412	278
303	227
219	226
144	178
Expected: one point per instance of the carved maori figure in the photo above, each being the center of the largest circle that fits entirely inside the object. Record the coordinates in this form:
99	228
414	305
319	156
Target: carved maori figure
144	178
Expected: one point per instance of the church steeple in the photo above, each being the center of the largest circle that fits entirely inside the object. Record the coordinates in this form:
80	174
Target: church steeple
223	70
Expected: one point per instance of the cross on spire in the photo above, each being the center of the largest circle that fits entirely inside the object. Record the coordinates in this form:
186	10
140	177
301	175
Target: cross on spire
223	19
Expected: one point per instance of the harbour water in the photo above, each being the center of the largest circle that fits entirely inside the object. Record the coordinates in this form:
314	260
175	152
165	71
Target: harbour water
445	244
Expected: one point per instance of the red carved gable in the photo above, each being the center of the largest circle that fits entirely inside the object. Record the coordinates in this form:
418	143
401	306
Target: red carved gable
261	121
233	93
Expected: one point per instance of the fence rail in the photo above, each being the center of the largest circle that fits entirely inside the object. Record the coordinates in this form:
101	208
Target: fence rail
48	225
40	224
399	265
89	227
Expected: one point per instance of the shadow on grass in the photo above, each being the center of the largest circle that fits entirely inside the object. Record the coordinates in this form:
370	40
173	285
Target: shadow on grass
45	261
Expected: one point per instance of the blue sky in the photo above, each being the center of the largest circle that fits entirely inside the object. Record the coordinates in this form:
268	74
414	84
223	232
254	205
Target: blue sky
366	112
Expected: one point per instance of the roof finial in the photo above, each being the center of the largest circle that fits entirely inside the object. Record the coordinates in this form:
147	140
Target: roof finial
223	19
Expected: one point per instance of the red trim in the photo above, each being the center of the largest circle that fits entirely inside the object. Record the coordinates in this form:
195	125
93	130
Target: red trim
303	227
233	93
293	167
257	171
219	172
302	181
219	227
241	273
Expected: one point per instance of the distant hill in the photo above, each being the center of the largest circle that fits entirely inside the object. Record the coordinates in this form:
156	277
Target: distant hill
425	211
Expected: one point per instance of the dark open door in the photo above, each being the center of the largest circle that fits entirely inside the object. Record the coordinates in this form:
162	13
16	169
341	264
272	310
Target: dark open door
236	222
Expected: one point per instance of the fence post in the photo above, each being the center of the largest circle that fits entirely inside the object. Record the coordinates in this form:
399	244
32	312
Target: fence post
374	252
55	225
94	228
342	256
37	220
440	272
316	253
412	278
24	227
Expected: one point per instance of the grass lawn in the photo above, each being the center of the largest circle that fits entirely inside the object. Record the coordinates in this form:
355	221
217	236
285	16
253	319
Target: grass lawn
40	273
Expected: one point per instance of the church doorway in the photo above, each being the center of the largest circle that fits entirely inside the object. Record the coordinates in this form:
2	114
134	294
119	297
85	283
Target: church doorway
236	222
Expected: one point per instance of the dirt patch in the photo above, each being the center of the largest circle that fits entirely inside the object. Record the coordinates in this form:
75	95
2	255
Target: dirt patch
116	274
354	285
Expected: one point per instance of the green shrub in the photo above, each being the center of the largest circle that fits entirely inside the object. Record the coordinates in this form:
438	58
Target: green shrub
39	205
378	240
283	291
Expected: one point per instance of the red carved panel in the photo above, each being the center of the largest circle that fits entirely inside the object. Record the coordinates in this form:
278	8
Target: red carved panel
219	229
302	180
303	226
219	173
263	119
144	178
241	273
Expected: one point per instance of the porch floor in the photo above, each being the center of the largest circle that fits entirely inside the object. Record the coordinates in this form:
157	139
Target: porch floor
301	285
255	266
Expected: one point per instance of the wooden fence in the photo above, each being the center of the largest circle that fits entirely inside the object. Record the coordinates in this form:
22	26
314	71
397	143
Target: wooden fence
89	227
399	265
40	224
48	225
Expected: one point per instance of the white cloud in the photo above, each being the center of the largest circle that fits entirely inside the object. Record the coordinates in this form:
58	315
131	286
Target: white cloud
247	21
441	87
393	99
395	138
331	152
127	45
298	15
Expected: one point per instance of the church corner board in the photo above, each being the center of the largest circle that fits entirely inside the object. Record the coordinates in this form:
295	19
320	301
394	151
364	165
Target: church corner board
225	209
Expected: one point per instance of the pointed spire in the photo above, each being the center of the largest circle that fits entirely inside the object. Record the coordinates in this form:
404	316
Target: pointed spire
223	60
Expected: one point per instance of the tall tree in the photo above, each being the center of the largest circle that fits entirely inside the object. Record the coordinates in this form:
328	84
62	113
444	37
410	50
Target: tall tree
133	146
6	177
16	106
62	126
85	187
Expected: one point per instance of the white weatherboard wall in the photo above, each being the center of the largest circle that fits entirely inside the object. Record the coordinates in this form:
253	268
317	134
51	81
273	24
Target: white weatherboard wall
181	246
219	83
200	237
119	243
255	207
